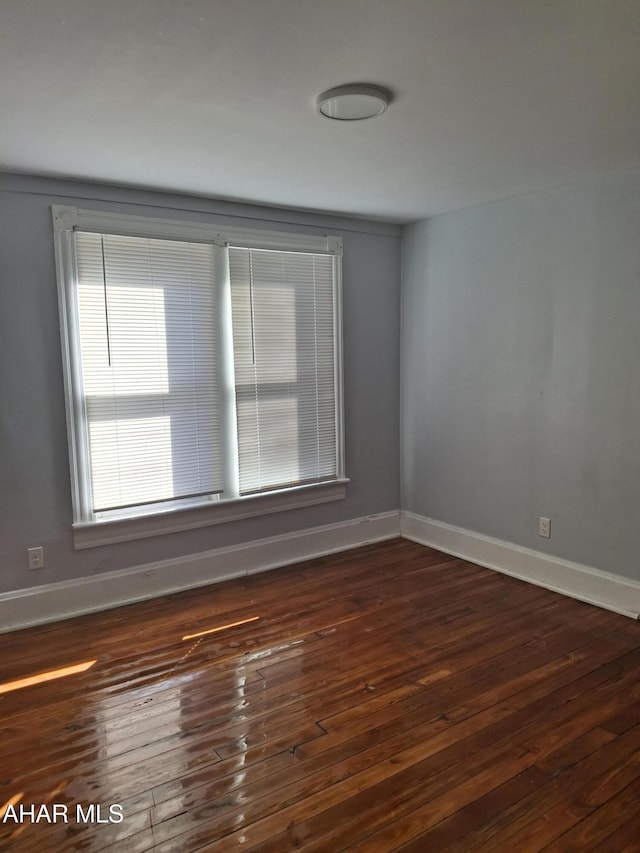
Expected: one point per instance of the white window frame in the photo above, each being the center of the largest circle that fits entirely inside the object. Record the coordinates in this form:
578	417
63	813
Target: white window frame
90	531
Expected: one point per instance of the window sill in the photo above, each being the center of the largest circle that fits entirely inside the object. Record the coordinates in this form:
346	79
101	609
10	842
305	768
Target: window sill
95	533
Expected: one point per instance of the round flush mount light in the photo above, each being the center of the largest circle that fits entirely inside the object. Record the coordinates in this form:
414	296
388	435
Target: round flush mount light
353	102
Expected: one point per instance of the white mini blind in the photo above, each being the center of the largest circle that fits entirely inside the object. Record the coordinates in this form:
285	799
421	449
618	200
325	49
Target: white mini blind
285	362
146	312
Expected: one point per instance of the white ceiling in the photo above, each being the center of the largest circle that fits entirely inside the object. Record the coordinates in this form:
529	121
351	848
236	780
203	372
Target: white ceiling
216	97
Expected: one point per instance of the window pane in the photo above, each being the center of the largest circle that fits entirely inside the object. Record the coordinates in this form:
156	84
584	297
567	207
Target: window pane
147	333
284	352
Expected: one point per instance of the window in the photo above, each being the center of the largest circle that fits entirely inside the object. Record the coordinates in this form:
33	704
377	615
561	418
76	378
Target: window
203	367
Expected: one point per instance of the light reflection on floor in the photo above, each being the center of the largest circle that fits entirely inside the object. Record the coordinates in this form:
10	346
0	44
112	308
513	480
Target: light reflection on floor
12	801
50	675
221	628
168	700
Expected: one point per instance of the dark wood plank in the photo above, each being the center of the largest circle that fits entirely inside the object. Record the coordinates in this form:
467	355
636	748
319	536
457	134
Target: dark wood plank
391	697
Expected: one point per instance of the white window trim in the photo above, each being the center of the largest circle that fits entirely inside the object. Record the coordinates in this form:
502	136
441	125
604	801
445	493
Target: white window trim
92	534
103	531
68	219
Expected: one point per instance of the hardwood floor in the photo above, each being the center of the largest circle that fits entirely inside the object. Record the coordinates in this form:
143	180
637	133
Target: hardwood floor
387	698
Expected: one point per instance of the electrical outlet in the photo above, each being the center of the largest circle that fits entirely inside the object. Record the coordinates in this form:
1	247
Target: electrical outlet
544	528
36	558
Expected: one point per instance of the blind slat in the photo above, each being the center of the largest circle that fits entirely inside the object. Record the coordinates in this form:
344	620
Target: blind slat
147	341
152	395
284	350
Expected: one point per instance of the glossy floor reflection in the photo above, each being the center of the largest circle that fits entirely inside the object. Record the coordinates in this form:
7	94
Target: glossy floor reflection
388	698
40	678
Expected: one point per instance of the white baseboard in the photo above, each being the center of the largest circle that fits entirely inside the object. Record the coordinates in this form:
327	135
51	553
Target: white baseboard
612	592
51	602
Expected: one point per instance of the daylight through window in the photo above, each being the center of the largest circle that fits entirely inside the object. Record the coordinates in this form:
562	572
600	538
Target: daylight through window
199	370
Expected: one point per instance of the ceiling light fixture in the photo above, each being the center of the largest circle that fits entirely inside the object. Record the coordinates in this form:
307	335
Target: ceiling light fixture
353	102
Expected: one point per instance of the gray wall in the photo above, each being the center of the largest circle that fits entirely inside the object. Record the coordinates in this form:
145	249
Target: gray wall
521	371
35	496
